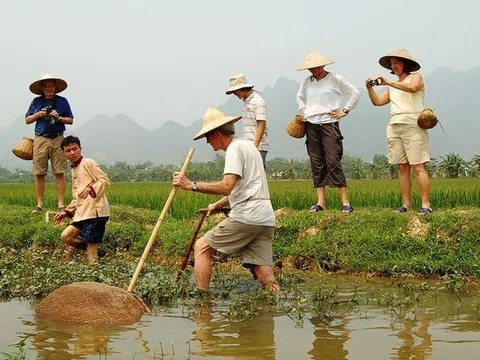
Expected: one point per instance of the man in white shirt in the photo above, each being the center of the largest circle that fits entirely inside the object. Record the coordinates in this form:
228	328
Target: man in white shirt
254	117
250	226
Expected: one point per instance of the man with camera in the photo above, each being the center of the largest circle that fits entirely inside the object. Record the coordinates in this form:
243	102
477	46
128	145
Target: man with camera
50	113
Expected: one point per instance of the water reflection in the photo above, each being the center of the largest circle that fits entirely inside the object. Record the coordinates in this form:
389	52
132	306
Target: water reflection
218	336
330	339
67	342
416	340
440	327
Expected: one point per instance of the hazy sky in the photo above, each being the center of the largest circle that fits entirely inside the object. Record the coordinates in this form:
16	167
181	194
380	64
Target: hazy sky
169	60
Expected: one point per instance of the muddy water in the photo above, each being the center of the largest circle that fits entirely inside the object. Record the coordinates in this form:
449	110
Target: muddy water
442	326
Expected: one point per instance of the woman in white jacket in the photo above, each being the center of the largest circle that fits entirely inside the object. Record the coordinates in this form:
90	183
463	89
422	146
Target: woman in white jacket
320	101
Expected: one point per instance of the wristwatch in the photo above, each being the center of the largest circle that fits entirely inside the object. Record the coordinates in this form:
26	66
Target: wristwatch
346	111
194	186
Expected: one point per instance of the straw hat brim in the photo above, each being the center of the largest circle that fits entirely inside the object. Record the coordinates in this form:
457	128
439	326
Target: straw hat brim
60	85
238	87
314	65
385	62
215	125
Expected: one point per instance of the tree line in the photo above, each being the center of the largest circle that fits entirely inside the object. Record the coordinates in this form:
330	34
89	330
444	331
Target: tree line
449	166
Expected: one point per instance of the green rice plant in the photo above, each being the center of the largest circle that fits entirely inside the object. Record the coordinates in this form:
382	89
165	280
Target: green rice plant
297	195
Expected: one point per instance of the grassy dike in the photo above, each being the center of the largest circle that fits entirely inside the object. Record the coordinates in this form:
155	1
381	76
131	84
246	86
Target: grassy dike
34	261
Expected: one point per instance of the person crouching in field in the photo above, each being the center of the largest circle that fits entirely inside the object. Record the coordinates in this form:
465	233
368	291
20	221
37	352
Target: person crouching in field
250	226
89	208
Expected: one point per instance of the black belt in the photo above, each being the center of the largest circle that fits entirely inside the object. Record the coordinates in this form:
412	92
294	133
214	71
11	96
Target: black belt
51	136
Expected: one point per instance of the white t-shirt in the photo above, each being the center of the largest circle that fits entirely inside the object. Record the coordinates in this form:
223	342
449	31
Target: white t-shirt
250	198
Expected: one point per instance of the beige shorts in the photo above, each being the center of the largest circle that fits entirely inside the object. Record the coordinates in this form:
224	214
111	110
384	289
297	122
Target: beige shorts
252	242
407	143
45	149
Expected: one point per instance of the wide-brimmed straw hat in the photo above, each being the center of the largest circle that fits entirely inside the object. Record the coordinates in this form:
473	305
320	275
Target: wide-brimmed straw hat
401	54
313	60
213	119
36	86
238	82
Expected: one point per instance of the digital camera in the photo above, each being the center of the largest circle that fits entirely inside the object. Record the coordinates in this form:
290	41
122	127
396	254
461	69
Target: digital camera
374	82
48	109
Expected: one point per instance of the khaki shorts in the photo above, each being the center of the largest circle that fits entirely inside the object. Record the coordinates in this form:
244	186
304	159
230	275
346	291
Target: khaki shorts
45	149
407	143
252	242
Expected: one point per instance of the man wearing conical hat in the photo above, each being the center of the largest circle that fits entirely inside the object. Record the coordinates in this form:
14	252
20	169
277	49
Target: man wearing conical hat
249	228
323	99
50	113
254	113
407	142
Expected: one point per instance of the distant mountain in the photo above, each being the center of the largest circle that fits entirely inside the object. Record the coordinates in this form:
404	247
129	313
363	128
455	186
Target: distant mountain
109	139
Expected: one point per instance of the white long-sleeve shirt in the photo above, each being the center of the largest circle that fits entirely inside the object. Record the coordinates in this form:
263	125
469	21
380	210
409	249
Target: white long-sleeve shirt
320	97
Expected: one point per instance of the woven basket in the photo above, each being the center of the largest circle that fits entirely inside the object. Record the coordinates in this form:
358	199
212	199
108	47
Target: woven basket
427	119
24	148
296	127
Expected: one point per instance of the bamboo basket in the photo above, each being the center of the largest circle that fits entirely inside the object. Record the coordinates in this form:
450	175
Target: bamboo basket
296	127
427	119
24	148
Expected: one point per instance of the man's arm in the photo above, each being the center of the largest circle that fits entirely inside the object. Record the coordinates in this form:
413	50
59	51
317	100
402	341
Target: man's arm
222	187
261	126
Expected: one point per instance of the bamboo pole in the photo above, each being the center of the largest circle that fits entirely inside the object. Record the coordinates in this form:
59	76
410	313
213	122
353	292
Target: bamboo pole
159	223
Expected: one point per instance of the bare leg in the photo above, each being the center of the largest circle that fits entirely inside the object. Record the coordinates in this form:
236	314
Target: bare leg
61	184
267	278
203	264
343	195
405	184
321	196
70	237
423	183
40	189
92	253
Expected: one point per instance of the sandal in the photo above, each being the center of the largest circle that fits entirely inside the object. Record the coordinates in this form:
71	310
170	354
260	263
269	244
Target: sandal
347	209
316	208
401	210
37	209
425	211
61	208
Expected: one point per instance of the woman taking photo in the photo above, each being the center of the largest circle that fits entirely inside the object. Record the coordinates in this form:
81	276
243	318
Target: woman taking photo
320	101
407	142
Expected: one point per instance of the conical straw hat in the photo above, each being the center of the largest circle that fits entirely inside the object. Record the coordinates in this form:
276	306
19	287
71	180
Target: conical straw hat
36	86
313	60
402	54
212	120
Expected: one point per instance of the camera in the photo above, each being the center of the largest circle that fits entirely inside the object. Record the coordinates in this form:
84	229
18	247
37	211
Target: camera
374	82
48	109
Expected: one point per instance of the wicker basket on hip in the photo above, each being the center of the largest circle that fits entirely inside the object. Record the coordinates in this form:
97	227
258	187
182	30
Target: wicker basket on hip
427	119
24	148
296	127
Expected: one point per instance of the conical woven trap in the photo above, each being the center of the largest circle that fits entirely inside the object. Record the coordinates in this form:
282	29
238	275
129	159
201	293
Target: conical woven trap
91	303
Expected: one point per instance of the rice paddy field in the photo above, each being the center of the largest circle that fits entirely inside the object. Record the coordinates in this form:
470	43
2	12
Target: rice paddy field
373	239
296	195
